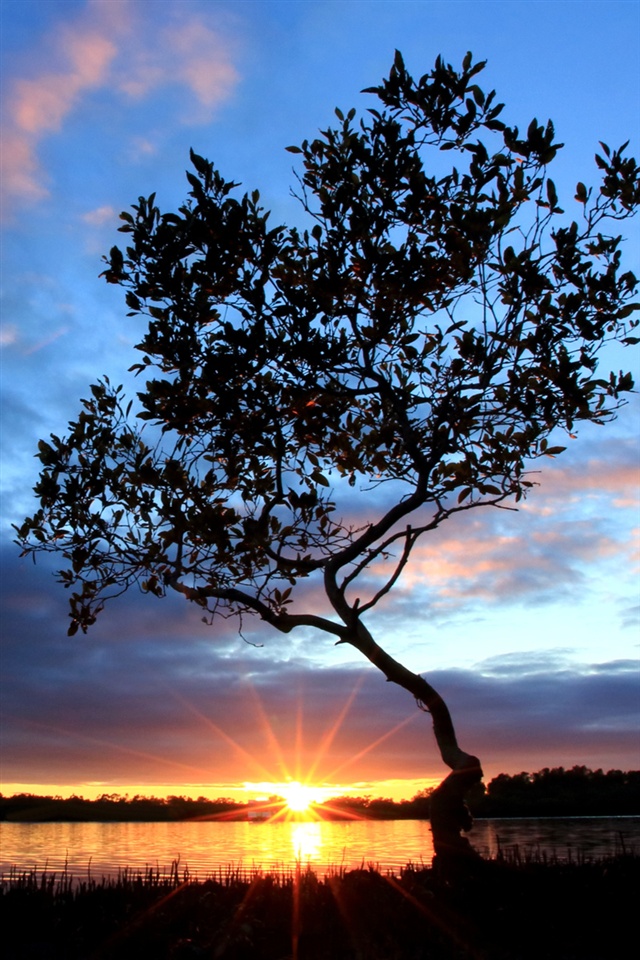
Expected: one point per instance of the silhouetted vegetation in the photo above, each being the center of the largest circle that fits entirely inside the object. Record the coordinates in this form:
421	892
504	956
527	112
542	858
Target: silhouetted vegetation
558	793
505	909
548	793
113	807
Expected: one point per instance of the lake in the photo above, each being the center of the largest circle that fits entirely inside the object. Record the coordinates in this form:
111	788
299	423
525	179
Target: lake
103	849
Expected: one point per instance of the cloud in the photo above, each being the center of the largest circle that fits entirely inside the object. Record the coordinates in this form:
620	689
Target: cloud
201	62
8	335
630	617
189	53
107	47
141	147
78	58
573	530
152	695
613	472
40	104
20	173
100	216
570	540
538	560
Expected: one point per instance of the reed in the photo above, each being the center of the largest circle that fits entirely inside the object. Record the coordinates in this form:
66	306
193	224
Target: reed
511	908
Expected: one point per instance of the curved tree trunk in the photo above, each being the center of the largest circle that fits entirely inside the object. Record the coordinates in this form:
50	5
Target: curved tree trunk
450	816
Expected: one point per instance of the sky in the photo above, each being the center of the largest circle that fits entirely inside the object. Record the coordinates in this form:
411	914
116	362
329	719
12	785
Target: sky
526	622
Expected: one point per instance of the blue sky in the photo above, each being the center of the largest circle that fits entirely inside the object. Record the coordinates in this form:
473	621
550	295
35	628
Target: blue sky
527	622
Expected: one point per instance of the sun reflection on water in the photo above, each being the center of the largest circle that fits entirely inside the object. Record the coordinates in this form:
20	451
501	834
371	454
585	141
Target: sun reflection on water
306	841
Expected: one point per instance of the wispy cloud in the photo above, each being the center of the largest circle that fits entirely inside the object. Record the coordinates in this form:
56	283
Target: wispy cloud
40	104
100	216
20	175
189	53
112	47
74	59
614	473
8	335
580	519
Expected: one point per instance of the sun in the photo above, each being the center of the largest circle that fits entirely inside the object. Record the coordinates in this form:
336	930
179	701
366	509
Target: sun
291	800
298	796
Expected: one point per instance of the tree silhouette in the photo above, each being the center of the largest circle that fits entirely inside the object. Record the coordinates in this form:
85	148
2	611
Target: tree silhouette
421	342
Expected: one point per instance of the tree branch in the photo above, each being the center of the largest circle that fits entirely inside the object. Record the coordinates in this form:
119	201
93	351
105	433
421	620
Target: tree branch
284	622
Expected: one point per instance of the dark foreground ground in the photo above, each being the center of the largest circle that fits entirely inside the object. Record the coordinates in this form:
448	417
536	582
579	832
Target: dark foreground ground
507	911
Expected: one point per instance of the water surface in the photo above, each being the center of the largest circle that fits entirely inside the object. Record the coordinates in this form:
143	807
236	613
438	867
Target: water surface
205	847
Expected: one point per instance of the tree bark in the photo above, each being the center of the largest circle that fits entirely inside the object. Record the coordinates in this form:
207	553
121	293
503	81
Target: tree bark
449	814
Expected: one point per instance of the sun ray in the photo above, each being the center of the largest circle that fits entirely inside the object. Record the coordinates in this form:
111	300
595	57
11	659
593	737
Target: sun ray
72	734
243	753
302	796
330	735
267	729
374	743
299	738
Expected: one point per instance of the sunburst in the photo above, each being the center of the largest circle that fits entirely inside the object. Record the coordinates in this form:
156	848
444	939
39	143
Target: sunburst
299	797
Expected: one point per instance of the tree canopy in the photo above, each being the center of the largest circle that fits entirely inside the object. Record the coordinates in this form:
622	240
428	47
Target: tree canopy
430	331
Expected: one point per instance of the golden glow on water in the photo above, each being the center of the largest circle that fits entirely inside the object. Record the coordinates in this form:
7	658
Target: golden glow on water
204	847
307	841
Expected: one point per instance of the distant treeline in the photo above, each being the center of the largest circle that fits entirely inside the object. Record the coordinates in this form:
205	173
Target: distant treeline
578	792
548	793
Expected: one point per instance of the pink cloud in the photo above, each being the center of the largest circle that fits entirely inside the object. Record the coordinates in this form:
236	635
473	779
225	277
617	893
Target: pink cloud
634	548
78	57
108	45
202	63
19	171
459	565
615	473
188	53
467	561
51	338
494	555
40	104
8	335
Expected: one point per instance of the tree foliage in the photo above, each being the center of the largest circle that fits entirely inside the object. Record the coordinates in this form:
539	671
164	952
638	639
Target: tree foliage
429	331
557	792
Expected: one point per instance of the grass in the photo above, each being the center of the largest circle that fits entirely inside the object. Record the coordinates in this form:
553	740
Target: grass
509	909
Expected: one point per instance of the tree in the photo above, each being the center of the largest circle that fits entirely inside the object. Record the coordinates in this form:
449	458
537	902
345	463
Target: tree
424	339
